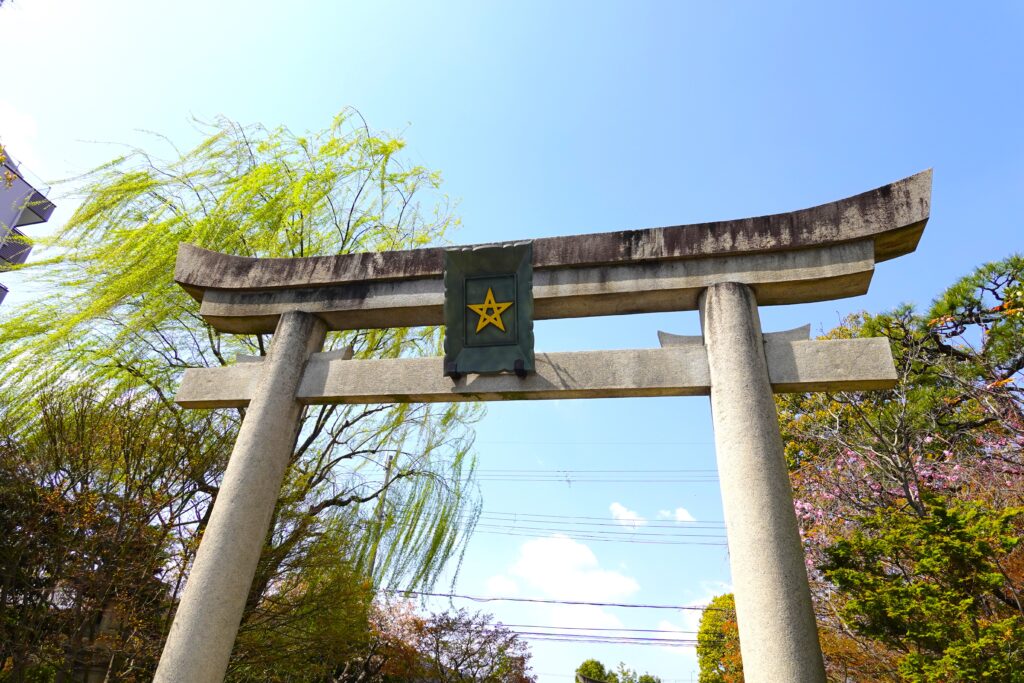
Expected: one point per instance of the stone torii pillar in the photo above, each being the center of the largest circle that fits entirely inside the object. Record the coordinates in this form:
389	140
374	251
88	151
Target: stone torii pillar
725	269
778	633
210	611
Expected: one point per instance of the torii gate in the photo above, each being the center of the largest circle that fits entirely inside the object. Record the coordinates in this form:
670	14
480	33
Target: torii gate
724	269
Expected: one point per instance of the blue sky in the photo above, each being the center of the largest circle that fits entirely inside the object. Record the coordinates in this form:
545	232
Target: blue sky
571	117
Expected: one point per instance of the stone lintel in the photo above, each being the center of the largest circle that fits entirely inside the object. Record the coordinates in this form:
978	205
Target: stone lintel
596	274
816	274
891	216
794	366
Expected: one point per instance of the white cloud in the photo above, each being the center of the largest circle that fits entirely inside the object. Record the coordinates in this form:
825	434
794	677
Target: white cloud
625	516
501	585
582	616
562	568
680	514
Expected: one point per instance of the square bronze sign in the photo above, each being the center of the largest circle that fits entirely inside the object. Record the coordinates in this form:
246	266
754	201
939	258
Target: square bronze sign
488	310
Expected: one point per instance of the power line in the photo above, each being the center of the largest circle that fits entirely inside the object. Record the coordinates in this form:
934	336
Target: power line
570	477
600	539
593	628
528	518
595	443
596	474
573	676
534	470
606	519
477	598
542	517
610	640
569	481
629	534
606	531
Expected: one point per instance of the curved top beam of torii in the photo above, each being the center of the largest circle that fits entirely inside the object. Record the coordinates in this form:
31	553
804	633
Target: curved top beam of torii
824	252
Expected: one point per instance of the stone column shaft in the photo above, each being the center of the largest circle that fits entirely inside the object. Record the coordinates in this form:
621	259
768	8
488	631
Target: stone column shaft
206	623
778	633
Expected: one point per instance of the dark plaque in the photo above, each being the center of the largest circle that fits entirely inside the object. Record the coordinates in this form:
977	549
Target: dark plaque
488	310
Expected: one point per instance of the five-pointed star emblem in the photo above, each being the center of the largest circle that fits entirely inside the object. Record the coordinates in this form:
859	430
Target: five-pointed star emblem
493	318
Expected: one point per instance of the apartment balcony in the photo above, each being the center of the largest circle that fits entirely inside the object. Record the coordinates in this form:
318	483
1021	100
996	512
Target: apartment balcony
22	199
22	202
14	248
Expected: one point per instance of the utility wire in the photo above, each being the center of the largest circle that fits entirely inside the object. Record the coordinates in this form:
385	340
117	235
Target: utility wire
599	480
600	539
605	531
592	628
617	531
543	517
624	640
626	532
476	598
571	469
595	443
515	518
624	536
605	519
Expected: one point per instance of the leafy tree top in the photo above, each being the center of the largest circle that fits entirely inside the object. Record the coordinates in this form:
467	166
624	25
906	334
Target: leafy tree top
108	272
113	319
595	670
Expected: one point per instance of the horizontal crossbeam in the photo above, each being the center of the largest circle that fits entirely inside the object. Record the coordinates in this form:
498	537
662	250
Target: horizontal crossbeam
677	370
816	254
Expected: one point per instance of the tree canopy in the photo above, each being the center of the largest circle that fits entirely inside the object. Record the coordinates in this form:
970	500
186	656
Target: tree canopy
86	571
920	488
910	500
718	642
594	669
377	495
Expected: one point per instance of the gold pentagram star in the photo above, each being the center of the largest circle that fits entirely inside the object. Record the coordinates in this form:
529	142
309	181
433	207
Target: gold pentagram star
486	318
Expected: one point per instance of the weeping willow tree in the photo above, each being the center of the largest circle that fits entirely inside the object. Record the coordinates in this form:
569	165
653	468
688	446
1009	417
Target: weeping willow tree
394	480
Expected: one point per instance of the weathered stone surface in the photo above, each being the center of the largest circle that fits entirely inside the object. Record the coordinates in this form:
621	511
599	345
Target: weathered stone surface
825	252
204	627
834	365
816	274
829	365
891	216
778	634
801	333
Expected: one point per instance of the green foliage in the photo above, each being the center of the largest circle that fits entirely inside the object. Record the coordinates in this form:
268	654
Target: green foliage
86	561
595	670
929	587
592	668
316	624
243	190
462	646
718	642
991	301
114	318
908	498
374	495
625	675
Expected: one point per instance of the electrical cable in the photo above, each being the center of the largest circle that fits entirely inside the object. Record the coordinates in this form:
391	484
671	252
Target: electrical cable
600	539
543	601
